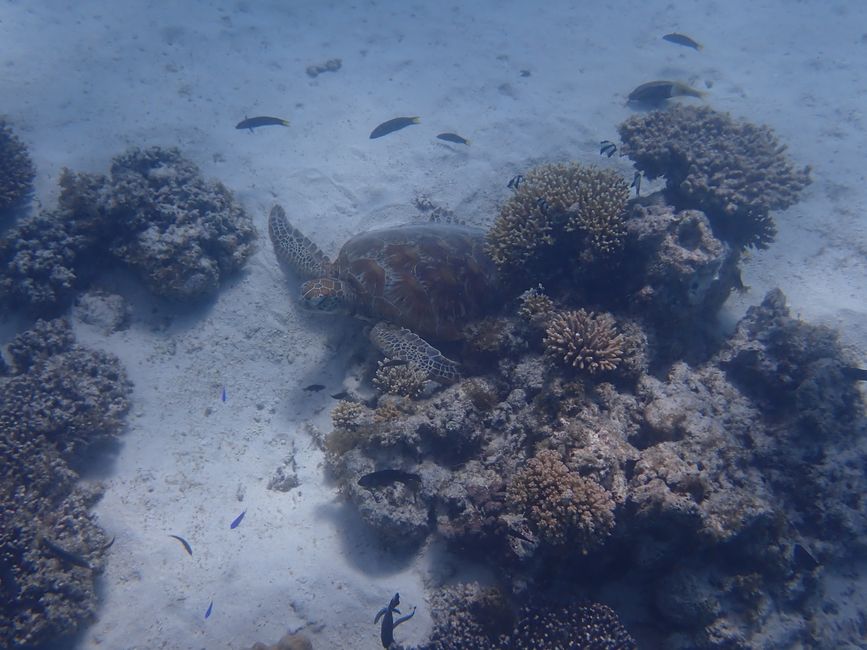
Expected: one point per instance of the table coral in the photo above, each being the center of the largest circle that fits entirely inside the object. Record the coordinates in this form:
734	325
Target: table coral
734	171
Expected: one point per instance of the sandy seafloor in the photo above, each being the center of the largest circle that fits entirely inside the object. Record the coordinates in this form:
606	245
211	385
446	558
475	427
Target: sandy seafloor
82	81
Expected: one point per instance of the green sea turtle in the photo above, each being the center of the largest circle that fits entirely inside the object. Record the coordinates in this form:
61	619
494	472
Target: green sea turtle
418	281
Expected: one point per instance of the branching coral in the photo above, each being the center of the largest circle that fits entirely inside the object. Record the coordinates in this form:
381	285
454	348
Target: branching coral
733	171
577	207
404	379
16	170
563	507
587	626
585	340
535	306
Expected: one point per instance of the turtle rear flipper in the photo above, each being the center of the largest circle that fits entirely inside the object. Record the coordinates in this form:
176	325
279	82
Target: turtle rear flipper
293	248
401	343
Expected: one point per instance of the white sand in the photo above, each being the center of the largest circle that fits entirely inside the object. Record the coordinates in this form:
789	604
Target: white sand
82	81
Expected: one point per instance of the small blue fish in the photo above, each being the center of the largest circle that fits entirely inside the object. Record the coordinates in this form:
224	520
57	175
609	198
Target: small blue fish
209	610
238	520
223	396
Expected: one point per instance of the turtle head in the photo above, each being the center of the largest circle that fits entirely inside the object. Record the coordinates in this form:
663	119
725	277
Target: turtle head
326	295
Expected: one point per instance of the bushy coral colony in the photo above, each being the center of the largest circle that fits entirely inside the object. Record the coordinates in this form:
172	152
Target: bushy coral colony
155	214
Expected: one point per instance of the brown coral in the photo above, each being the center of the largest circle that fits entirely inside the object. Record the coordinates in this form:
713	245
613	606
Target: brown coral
571	204
734	171
585	340
562	506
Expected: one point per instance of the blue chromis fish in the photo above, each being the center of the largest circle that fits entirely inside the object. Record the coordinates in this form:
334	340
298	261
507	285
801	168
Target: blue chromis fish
393	125
223	394
453	137
656	92
262	120
209	610
682	39
237	521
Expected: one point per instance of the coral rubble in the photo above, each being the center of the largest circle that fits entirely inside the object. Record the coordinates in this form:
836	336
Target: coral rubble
57	400
734	171
16	170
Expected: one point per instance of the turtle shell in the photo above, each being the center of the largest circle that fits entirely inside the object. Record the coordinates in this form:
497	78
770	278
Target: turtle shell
431	278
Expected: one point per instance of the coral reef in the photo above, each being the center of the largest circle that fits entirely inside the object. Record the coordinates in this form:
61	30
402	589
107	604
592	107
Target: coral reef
735	172
567	209
562	506
469	616
181	234
713	486
584	340
57	399
16	170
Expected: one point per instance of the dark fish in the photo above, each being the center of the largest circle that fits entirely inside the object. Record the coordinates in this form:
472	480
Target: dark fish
186	544
453	137
803	558
636	183
656	92
385	477
237	521
857	374
209	610
391	363
314	388
682	39
515	181
263	120
542	204
341	395
393	125
607	148
66	556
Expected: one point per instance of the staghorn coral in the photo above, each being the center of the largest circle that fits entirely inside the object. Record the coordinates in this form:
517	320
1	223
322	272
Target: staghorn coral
577	208
563	507
57	399
585	340
16	170
735	172
404	380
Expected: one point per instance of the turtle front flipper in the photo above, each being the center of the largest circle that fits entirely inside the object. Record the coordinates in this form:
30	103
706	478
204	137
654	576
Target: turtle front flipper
401	343
294	248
